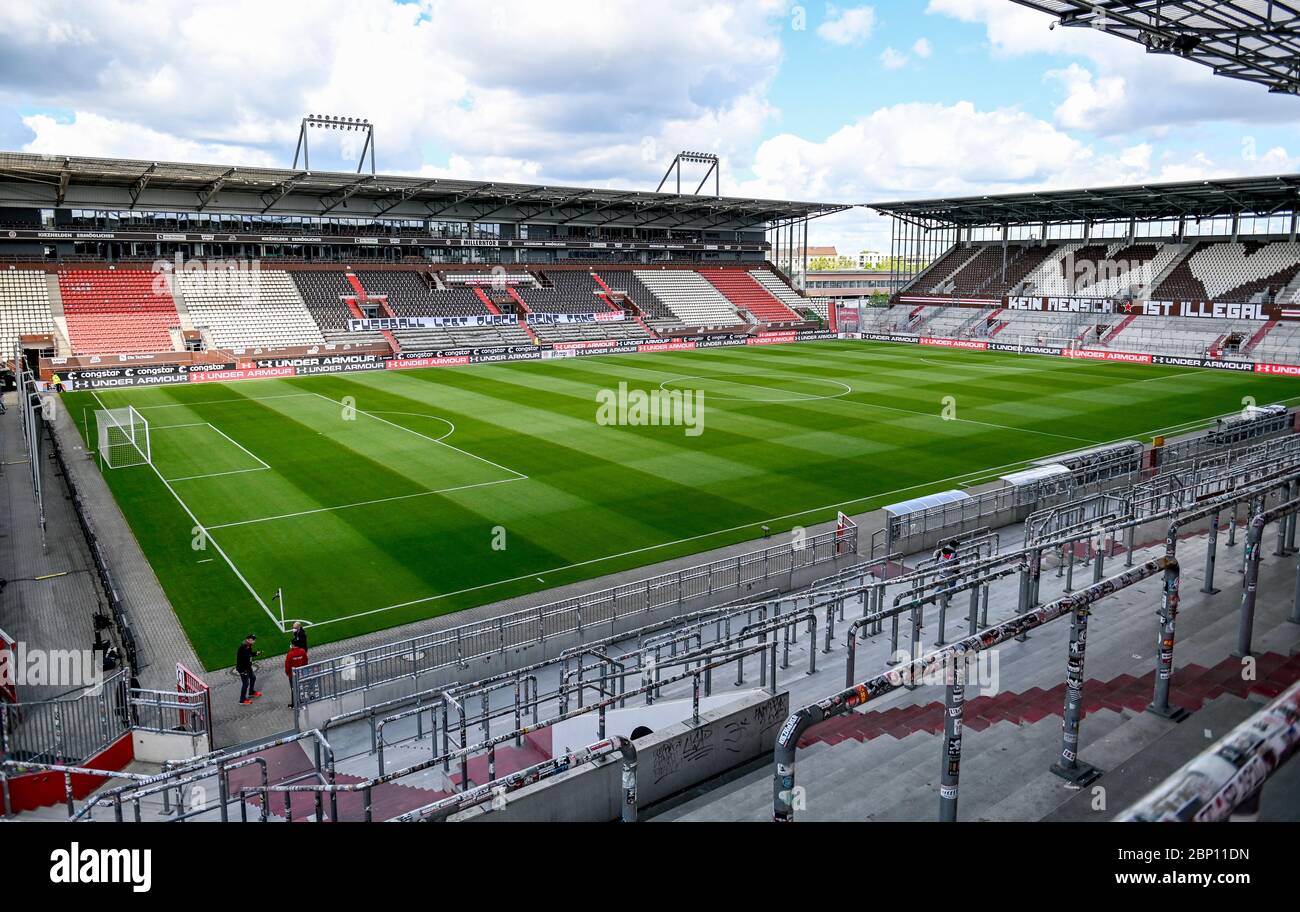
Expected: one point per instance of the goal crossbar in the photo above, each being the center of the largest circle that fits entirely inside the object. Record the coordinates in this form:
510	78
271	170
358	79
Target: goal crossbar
123	437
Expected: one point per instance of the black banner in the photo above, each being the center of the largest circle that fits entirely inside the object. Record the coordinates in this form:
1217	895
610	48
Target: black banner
1212	363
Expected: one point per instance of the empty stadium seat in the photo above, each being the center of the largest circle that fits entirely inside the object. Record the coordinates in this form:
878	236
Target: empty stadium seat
1233	272
690	297
741	289
248	308
117	311
323	294
626	282
24	307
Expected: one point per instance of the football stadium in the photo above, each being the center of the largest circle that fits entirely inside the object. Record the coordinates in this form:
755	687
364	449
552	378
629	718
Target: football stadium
377	497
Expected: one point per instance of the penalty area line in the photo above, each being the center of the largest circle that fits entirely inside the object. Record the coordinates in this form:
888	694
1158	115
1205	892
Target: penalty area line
208	537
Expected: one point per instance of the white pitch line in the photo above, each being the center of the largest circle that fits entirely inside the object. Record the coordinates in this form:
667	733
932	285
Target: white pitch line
753	525
889	408
207	535
220	474
366	503
222	401
240	445
519	475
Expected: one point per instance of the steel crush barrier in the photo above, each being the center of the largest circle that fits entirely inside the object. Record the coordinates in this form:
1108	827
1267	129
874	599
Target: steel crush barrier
456	647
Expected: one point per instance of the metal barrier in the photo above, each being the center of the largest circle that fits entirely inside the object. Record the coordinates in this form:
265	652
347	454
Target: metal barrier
458	646
218	764
768	658
11	768
1229	777
454	804
170	711
947	661
107	582
67	730
1106	472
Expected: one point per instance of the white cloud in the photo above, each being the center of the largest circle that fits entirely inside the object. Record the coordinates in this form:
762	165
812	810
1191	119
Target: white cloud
1121	88
922	48
568	92
852	26
916	151
91	134
892	59
1089	99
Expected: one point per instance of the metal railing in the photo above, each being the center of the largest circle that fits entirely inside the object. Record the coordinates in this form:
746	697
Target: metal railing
67	730
456	647
170	711
1227	780
1175	466
950	662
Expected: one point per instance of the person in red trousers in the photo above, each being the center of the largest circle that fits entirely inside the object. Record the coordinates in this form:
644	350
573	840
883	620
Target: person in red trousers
295	658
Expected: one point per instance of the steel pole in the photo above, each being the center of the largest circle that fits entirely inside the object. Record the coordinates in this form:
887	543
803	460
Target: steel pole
949	773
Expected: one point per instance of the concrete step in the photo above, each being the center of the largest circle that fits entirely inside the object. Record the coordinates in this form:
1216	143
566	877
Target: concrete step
1138	774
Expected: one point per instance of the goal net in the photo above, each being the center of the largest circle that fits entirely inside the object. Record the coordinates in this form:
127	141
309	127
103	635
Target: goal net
1031	340
123	437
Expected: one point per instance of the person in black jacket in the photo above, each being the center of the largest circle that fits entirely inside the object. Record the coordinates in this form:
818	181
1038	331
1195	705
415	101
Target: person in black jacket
244	665
299	636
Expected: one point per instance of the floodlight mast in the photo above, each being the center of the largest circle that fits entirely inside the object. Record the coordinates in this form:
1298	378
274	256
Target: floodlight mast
699	158
330	122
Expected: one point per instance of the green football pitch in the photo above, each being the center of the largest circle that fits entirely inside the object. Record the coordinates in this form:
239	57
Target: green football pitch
377	499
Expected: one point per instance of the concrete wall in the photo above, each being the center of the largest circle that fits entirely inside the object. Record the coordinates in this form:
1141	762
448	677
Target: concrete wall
668	762
163	747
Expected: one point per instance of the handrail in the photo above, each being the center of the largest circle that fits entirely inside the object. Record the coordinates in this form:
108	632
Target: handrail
805	554
1231	774
443	808
366	786
1076	604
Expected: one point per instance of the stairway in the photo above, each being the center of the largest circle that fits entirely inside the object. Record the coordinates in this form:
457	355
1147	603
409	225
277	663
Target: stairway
1193	686
1184	251
523	313
355	282
1259	336
487	302
1114	333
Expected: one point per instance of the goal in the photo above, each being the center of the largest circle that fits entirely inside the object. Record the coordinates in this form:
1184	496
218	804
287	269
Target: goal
123	437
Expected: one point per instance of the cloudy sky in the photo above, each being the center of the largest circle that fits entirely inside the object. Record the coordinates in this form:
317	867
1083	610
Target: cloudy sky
810	101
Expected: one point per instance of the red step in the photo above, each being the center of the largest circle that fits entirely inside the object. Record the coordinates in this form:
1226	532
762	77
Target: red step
487	302
741	289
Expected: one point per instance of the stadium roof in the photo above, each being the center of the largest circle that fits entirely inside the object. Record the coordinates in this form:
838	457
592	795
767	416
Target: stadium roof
1191	199
54	180
1254	40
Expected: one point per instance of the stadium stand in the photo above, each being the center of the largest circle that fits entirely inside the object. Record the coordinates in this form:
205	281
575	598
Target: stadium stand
741	289
787	295
692	300
24	307
117	311
627	282
562	292
248	308
1234	272
323	294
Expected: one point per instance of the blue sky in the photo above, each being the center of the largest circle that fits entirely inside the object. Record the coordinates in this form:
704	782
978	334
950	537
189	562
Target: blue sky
839	103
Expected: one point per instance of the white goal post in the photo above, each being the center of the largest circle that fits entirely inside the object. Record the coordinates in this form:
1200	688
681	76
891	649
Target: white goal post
123	437
1031	340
